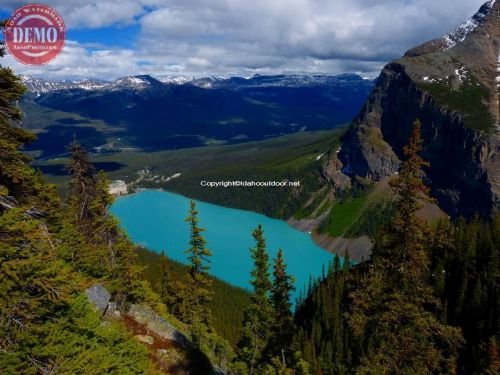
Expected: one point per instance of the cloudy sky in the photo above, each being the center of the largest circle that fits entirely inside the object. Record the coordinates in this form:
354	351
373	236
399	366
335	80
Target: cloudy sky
113	38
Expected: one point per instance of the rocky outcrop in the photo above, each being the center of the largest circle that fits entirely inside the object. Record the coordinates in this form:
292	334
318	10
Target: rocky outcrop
451	86
145	315
100	299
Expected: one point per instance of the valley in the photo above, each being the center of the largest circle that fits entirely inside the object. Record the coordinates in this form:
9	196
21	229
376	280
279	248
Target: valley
144	113
125	248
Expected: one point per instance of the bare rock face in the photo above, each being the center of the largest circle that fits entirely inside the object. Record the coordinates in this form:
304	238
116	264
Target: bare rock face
451	85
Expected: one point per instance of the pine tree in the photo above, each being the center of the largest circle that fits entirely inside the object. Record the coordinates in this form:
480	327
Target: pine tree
102	249
465	268
391	315
282	327
258	316
81	187
116	253
15	178
165	279
199	295
104	231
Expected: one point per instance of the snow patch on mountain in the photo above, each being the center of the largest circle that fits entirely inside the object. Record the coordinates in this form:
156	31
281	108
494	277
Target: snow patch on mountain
132	82
461	33
176	80
40	86
461	74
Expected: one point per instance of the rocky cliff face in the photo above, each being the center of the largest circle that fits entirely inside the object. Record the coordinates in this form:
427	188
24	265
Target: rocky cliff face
452	85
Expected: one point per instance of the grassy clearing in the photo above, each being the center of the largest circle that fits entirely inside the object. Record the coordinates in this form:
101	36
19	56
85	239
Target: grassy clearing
343	215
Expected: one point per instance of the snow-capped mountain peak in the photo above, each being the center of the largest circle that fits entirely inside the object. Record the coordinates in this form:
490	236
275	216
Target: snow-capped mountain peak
176	80
40	86
461	33
133	82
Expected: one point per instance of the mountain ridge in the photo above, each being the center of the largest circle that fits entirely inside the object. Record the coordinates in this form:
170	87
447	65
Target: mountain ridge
38	85
453	90
143	112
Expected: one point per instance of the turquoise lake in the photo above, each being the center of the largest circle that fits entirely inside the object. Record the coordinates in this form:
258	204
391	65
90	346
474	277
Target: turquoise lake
155	219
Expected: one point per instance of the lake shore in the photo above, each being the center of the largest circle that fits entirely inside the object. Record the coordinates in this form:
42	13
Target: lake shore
359	248
154	218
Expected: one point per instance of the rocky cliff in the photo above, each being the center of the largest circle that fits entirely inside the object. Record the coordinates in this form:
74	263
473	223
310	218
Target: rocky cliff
452	85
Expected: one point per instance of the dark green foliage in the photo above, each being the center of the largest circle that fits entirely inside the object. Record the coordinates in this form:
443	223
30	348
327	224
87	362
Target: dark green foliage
290	157
258	315
317	206
82	185
384	317
99	248
195	305
323	332
267	345
227	304
465	269
282	328
15	178
44	326
280	202
391	310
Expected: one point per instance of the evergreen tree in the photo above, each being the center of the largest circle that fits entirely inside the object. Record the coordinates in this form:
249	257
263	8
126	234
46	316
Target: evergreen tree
43	327
465	269
16	180
321	319
391	316
104	231
282	328
199	295
101	249
81	187
165	279
258	316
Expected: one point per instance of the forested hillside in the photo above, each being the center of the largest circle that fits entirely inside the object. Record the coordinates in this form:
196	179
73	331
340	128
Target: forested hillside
47	256
51	251
427	302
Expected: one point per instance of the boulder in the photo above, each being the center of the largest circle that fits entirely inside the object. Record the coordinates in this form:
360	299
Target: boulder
99	297
158	325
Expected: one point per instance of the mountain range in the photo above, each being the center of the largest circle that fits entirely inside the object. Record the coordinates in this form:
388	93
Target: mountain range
176	112
451	84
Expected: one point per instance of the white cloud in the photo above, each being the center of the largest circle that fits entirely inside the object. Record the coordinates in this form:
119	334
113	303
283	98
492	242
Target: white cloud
91	14
244	37
78	62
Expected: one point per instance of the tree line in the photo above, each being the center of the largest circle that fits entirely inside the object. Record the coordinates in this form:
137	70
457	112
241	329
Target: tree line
426	303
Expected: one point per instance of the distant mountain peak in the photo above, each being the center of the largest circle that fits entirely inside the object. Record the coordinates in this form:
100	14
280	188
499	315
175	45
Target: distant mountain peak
139	83
40	86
